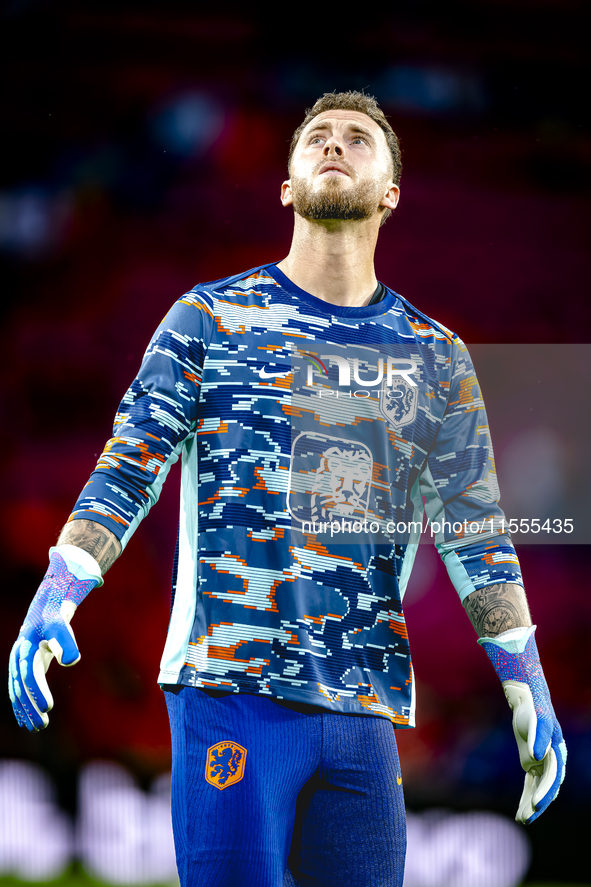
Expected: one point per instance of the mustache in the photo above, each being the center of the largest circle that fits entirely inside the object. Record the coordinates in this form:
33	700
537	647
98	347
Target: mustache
341	163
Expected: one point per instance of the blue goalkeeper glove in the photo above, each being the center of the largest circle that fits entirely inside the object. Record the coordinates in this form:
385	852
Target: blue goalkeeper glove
46	633
542	750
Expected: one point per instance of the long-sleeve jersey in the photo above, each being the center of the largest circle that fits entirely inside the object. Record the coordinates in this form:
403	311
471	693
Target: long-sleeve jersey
314	438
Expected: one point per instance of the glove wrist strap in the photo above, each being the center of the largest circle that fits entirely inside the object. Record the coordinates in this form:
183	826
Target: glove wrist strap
79	562
514	640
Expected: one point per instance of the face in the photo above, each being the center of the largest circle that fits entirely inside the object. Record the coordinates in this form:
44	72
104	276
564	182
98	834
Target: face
341	169
342	482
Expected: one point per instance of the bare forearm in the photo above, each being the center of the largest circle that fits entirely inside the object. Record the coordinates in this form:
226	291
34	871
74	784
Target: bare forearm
101	543
497	608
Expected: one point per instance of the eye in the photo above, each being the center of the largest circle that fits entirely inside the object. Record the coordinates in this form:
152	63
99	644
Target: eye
360	139
315	139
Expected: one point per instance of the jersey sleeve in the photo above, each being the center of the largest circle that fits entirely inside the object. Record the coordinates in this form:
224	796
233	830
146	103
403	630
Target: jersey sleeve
460	492
157	414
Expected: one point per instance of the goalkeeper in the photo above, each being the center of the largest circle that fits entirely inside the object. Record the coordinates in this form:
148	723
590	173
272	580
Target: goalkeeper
287	662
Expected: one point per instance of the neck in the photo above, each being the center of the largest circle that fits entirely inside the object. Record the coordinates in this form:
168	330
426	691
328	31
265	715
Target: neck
333	260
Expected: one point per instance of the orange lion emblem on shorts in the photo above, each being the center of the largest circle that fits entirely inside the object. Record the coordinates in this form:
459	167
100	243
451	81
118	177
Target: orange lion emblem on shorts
225	764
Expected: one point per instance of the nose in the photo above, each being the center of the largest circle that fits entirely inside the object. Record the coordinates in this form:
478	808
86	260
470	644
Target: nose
333	145
347	481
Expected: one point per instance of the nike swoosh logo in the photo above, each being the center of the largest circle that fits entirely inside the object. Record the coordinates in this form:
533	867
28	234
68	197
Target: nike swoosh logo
265	375
399	779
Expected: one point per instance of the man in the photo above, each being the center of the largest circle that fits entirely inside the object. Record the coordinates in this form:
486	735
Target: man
318	414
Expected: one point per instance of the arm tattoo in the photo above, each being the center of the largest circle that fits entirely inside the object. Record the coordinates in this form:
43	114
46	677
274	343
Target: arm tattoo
103	545
497	608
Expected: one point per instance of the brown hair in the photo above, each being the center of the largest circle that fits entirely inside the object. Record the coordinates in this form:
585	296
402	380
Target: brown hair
353	101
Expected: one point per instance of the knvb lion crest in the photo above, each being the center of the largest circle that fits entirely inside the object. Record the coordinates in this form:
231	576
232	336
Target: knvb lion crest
329	478
225	764
398	403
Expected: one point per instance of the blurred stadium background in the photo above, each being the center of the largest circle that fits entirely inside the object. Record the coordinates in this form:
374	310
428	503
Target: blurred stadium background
143	146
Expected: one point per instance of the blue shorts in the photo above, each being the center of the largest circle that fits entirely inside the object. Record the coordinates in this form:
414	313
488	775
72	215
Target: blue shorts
266	795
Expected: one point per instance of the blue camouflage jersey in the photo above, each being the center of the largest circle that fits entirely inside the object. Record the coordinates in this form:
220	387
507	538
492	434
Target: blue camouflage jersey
314	438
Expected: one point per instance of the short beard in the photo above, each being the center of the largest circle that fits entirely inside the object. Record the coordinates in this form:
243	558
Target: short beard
355	204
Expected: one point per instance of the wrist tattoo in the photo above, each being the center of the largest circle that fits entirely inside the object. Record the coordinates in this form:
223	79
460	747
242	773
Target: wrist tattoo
497	608
99	542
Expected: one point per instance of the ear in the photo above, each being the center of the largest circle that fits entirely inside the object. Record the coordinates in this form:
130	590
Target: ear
391	197
286	198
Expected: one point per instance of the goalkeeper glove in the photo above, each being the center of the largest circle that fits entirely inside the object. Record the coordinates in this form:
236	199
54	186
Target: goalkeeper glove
46	633
542	750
